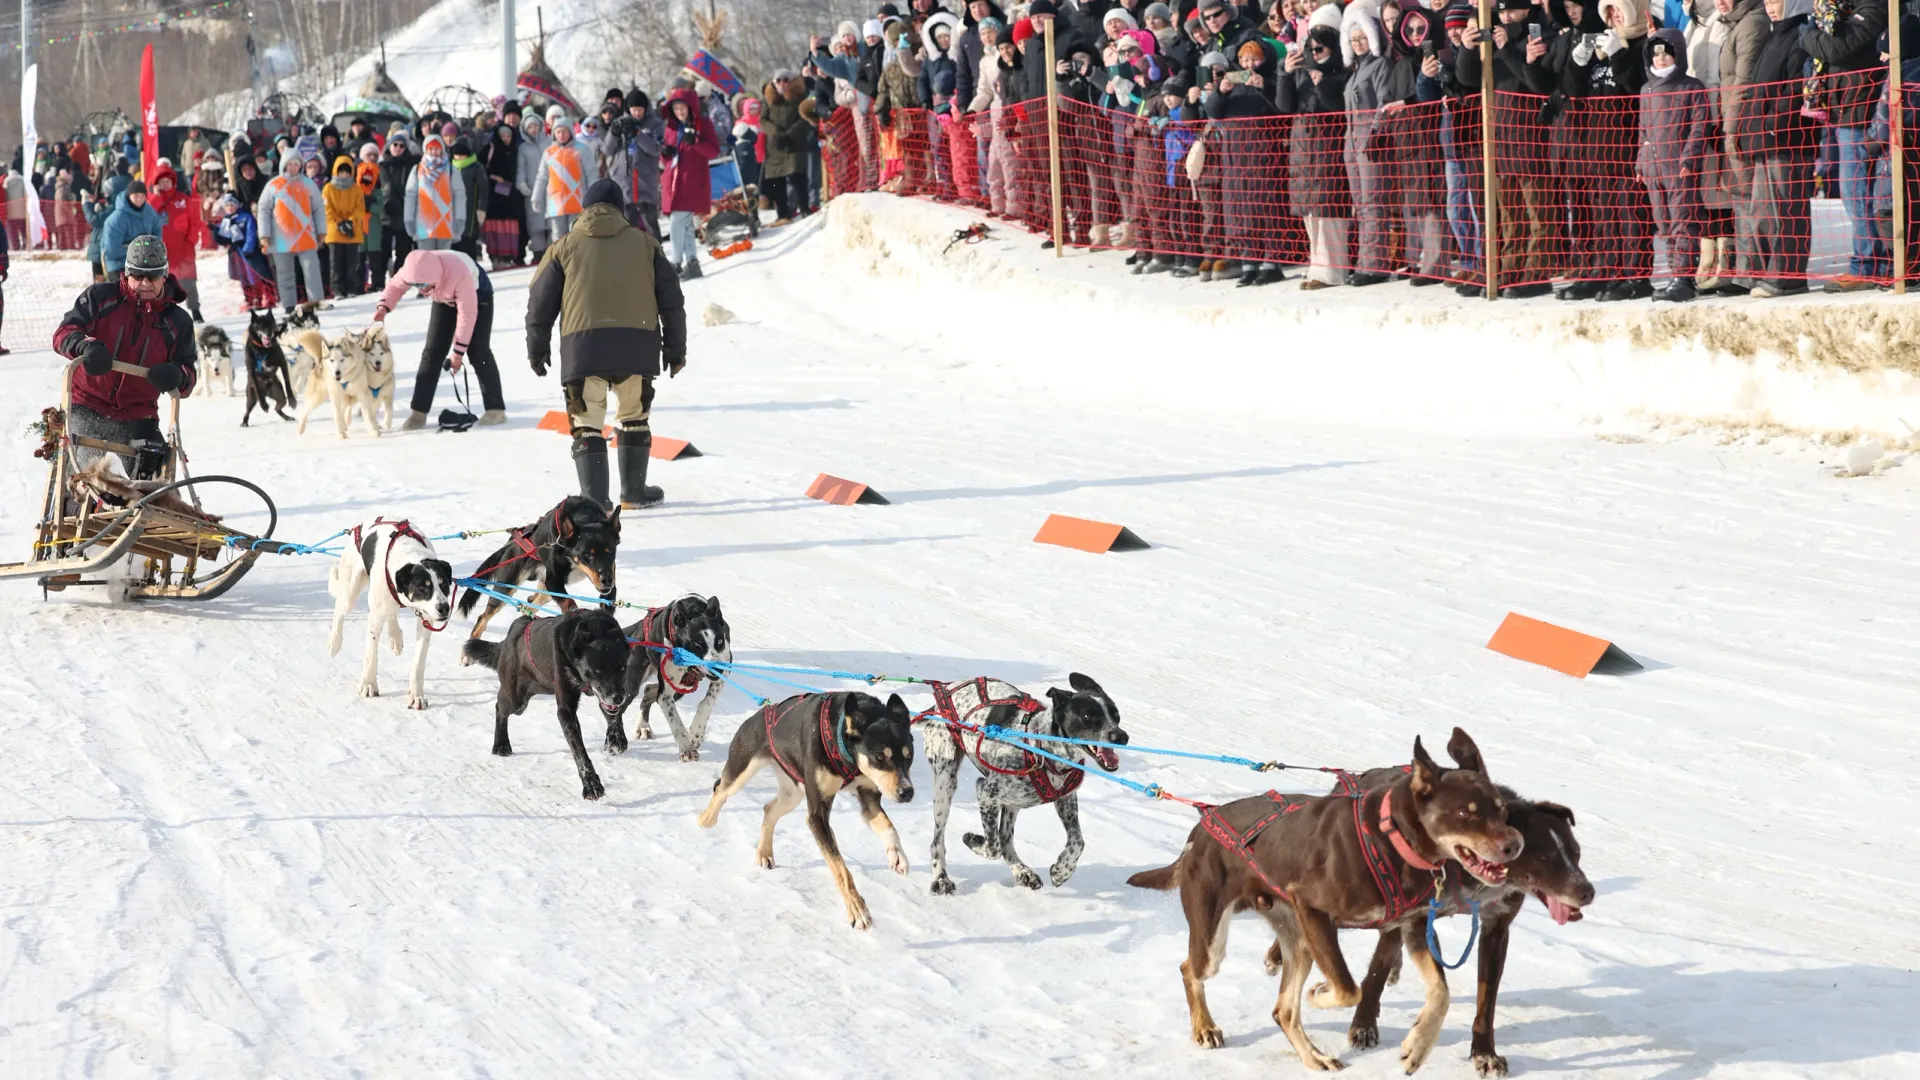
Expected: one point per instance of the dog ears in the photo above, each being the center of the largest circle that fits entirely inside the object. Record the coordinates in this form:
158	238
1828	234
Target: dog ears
1058	696
897	709
1555	809
565	526
1425	770
613	519
1464	752
1083	684
713	606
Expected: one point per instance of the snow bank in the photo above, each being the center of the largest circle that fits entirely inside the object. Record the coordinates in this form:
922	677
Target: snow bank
1835	367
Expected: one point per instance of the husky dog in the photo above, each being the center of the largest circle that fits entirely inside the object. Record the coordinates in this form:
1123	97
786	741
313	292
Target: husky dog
215	347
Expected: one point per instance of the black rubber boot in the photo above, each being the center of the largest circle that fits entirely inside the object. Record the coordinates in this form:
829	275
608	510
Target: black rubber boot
636	447
590	464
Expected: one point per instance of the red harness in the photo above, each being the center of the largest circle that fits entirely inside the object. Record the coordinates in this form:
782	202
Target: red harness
400	528
1034	769
664	646
1385	874
528	549
831	741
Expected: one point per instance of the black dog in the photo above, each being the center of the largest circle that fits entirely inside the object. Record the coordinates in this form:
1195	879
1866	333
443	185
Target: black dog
1011	778
690	623
577	535
269	380
823	743
581	651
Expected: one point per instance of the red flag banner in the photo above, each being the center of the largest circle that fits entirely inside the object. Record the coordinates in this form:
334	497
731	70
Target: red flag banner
149	120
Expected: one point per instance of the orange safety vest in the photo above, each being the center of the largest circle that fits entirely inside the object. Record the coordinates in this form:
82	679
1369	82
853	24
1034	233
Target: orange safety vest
436	204
564	188
288	221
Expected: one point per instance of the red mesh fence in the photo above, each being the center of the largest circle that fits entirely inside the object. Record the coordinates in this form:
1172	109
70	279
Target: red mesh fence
1779	183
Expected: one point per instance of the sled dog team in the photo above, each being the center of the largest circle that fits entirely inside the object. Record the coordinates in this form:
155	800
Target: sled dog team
354	370
1376	852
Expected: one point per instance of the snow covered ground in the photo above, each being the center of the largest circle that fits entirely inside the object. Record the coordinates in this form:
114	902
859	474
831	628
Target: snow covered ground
222	863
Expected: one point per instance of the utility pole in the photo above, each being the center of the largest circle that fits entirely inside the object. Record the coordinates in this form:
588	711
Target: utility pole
509	62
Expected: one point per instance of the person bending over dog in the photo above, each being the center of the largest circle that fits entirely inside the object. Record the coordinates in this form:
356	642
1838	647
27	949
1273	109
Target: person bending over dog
620	309
140	316
462	320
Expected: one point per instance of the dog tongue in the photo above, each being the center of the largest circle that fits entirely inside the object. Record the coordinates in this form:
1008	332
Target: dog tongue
1561	911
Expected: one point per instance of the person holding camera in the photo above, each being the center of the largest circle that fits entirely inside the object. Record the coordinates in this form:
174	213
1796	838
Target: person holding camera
1520	158
1598	65
632	148
622	318
135	320
346	226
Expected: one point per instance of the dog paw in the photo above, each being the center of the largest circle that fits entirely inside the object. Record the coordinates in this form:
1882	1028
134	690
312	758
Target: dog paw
692	754
1363	1036
1024	876
333	645
416	701
1414	1051
369	689
897	859
616	746
943	886
1059	874
465	660
642	731
501	749
1324	996
1209	1037
1490	1064
858	916
765	861
590	788
977	844
1320	1062
1274	959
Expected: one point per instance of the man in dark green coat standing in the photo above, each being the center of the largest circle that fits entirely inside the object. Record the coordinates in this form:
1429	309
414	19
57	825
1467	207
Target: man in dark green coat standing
621	319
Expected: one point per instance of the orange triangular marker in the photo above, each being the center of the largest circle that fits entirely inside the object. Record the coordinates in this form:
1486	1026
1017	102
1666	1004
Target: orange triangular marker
673	449
555	420
1098	537
843	492
1559	648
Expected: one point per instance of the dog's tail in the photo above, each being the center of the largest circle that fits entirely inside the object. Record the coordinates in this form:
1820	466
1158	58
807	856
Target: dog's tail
470	597
1164	878
484	653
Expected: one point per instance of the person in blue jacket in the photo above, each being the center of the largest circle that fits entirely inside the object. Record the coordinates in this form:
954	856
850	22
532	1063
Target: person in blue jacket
98	209
131	217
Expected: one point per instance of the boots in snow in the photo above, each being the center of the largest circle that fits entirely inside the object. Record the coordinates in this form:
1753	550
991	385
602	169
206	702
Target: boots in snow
492	417
1710	256
414	422
590	465
691	271
635	493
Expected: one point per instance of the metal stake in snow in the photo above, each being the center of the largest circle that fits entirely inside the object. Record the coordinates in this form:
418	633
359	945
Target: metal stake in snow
509	59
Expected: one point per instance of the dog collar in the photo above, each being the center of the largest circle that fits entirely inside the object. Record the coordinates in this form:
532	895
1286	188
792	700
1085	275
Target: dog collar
1392	832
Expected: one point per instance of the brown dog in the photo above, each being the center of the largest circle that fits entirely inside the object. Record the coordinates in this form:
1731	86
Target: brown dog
1314	864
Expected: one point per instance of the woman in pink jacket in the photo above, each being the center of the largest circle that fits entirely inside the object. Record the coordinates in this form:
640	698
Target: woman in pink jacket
462	323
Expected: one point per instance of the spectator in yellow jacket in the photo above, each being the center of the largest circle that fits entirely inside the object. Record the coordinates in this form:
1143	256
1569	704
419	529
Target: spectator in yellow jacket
346	226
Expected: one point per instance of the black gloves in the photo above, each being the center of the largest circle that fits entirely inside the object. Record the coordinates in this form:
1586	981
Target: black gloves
95	358
674	366
166	378
539	362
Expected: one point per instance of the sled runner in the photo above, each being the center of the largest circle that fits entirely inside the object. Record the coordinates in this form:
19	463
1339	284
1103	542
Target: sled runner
93	517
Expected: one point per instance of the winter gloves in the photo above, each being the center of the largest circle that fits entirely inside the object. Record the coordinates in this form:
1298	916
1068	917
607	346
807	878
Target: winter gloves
95	358
539	362
166	378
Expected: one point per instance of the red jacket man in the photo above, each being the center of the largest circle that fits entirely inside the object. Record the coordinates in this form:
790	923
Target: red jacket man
136	320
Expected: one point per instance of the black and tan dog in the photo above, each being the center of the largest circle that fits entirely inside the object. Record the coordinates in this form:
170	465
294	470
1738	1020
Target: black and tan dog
577	536
691	624
823	744
1312	864
269	380
578	652
1547	869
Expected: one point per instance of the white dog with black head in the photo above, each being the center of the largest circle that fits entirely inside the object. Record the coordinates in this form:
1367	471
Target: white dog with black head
396	567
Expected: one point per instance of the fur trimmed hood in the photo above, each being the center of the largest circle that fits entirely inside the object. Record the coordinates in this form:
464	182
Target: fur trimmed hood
1364	15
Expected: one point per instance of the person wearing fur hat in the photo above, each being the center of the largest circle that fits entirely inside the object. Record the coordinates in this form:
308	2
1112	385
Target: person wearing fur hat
1676	126
1520	157
1368	170
1223	28
1313	92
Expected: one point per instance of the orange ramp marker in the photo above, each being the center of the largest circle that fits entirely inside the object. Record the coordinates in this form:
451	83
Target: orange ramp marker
1098	537
840	492
663	448
1559	648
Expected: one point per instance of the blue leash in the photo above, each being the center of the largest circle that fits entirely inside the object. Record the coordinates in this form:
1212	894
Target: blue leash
1433	935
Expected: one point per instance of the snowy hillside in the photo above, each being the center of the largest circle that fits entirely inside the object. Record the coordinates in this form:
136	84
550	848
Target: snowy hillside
220	862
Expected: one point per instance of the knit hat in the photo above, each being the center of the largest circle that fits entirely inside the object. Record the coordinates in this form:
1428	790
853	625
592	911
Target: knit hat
1120	14
1192	23
369	152
1159	11
462	147
605	192
872	28
449	131
1457	16
556	127
998	26
229	202
1022	30
138	187
614	93
1042	7
1175	86
146	255
637	98
1215	59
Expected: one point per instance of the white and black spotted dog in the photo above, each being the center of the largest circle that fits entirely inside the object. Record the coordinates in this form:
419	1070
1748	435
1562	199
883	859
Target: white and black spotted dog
1011	778
397	568
692	624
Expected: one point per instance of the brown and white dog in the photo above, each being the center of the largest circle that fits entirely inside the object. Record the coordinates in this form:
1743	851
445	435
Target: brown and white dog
824	744
1313	864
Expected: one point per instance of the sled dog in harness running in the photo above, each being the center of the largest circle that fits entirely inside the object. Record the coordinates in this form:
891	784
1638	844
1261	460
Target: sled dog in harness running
396	567
692	624
1012	778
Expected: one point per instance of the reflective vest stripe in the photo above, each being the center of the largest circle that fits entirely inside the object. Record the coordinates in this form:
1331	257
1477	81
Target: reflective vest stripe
436	205
563	180
297	227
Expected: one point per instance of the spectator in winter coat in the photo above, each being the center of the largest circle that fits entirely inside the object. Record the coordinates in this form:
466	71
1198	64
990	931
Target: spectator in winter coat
1520	156
134	321
396	168
132	217
183	232
238	232
1223	29
346	226
97	210
968	49
1843	43
1314	93
506	207
1748	29
18	192
466	171
632	149
533	144
1780	140
991	105
1252	202
899	89
1885	189
435	200
461	325
685	186
373	247
620	309
749	146
560	186
1676	127
292	221
1369	172
783	178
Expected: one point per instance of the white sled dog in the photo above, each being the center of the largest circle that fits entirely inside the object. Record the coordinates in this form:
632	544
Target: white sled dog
396	567
345	380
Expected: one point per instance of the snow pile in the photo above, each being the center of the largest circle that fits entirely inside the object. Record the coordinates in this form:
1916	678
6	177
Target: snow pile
1813	365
